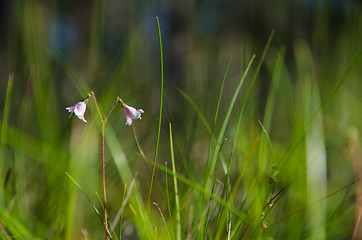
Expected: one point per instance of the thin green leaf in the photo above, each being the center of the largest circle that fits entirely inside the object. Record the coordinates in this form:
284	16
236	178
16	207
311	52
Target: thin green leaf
160	116
177	201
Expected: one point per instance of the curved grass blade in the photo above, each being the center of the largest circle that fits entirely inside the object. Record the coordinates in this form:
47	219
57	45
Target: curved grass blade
81	189
160	117
197	110
268	139
226	120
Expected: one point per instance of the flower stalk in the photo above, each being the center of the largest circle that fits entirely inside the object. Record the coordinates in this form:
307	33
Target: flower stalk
130	113
103	120
104	185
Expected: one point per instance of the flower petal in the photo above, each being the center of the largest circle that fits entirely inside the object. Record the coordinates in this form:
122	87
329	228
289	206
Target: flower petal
131	113
70	109
79	109
128	121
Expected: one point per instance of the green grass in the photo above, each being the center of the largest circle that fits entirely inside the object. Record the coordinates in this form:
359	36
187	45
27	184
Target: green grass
262	145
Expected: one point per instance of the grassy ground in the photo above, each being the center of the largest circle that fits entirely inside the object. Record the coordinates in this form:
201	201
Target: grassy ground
238	140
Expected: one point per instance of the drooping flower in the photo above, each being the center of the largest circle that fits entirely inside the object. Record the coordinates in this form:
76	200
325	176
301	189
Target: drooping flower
131	113
79	109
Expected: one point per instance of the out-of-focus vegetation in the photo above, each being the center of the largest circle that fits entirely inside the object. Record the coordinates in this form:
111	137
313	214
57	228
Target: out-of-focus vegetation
280	159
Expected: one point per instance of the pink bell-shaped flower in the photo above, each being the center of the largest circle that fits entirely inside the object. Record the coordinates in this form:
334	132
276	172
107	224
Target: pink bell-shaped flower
79	109
131	113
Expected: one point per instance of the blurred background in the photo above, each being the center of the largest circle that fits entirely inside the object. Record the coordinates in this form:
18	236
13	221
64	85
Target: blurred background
58	51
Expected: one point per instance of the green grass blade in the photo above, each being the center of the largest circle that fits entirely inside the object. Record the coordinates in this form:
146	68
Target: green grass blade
168	203
263	189
296	143
101	203
177	201
200	189
268	139
13	226
197	110
215	116
248	92
86	196
70	71
269	109
257	70
120	211
125	199
125	172
160	117
4	126
211	141
226	120
236	132
336	87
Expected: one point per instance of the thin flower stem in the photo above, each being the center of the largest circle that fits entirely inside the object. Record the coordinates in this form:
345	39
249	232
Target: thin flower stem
104	185
95	102
114	104
354	236
103	120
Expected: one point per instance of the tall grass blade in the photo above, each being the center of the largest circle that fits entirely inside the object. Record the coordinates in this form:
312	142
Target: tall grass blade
316	162
13	226
168	204
257	70
292	147
247	95
177	201
236	132
4	126
120	213
269	109
211	141
160	116
226	120
215	116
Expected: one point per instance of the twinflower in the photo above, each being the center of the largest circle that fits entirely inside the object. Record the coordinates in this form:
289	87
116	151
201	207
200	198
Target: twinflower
130	113
79	109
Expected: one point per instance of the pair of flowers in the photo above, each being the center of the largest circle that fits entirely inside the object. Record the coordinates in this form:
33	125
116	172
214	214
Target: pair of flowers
130	112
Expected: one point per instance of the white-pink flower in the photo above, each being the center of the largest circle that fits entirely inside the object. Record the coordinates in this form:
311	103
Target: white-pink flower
79	109
131	113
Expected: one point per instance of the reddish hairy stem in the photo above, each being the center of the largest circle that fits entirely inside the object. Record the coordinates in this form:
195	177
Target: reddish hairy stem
103	165
109	113
103	120
104	185
359	207
95	102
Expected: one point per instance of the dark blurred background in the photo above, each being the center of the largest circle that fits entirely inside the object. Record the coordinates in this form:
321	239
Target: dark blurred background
94	40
